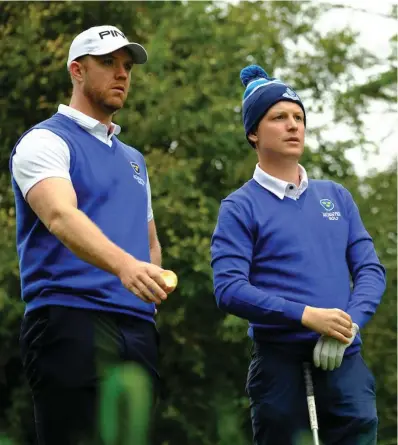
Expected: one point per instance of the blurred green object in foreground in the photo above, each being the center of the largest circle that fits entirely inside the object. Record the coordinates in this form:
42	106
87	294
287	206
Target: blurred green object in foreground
125	406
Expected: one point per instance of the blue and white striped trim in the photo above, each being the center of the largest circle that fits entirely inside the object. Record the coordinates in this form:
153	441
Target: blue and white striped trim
262	84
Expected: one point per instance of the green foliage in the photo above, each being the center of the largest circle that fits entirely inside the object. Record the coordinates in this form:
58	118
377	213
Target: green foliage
184	114
378	205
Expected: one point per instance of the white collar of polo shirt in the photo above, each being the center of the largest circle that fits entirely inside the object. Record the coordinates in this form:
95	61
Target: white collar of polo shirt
94	127
279	187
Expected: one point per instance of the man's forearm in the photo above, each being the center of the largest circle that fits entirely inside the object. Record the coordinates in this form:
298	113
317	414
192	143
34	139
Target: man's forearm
156	254
369	284
86	240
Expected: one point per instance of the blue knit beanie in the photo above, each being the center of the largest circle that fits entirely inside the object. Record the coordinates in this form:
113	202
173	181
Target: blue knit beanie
262	92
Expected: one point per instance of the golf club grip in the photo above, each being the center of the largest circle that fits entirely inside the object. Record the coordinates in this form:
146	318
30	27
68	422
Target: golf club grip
309	387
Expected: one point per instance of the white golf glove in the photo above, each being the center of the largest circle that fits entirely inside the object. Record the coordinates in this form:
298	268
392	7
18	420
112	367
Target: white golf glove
329	352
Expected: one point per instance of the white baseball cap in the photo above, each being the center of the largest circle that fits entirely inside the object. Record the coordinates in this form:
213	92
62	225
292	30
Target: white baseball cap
100	40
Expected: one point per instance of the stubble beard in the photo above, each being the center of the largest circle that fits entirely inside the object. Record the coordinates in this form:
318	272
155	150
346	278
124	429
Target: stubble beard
101	102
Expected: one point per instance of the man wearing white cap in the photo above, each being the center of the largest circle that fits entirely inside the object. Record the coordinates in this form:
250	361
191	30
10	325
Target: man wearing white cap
89	256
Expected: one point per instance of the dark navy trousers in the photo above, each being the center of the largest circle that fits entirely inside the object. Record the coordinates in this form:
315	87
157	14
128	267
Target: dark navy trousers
66	353
345	400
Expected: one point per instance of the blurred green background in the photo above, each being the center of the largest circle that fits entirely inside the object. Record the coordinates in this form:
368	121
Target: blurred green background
184	115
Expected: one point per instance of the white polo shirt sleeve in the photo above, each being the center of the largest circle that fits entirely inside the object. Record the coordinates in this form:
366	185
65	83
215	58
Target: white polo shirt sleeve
40	154
148	190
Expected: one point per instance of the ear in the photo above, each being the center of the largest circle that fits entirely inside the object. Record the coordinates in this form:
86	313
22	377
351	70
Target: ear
253	138
76	70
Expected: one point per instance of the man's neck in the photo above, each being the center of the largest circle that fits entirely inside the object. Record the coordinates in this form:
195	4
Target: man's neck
287	171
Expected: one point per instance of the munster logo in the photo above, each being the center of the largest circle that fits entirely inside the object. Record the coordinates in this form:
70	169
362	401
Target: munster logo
327	204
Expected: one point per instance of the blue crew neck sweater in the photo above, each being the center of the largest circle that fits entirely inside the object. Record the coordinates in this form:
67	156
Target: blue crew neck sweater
110	188
273	257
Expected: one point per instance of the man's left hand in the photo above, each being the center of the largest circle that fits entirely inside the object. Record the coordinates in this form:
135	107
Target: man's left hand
329	352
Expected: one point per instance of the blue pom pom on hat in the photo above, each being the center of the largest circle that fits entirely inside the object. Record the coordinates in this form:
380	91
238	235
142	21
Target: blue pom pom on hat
261	93
252	72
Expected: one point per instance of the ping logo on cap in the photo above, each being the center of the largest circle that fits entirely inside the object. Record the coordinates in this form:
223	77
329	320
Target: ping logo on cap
111	32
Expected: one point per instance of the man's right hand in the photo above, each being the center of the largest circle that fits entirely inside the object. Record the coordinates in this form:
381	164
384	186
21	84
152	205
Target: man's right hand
334	323
144	280
54	201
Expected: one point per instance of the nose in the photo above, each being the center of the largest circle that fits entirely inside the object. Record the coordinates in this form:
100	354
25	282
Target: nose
292	124
121	72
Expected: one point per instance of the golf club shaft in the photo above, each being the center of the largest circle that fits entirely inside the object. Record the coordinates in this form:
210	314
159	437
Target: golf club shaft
309	387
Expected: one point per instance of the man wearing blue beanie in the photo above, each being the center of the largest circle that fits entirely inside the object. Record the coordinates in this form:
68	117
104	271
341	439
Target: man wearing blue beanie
284	252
